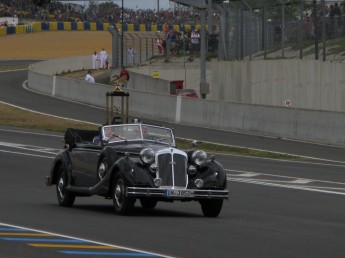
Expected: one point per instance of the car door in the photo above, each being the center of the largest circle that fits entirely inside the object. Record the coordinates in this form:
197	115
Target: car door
84	165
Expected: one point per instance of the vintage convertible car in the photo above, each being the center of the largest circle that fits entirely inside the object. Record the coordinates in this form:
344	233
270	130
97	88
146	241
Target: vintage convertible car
126	162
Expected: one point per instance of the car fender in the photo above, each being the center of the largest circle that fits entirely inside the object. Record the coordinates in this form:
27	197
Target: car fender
133	171
110	154
62	158
213	175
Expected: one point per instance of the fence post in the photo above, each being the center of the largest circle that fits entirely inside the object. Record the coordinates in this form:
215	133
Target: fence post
300	38
115	53
147	50
316	30
323	33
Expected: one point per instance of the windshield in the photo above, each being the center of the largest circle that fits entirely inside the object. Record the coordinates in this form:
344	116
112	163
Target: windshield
129	132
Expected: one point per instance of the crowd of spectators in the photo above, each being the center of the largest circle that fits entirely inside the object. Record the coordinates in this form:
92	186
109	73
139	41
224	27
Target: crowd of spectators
111	13
334	15
106	12
312	23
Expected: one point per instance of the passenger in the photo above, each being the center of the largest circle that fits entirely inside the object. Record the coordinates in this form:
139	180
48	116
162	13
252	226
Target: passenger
96	140
144	131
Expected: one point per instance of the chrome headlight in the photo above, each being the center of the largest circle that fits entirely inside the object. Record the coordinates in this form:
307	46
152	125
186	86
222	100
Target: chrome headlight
199	157
199	183
147	155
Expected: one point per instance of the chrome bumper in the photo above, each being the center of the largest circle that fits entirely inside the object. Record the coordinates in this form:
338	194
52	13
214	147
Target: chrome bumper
177	194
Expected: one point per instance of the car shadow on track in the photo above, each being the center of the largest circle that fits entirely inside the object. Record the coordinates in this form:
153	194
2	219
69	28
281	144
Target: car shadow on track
138	211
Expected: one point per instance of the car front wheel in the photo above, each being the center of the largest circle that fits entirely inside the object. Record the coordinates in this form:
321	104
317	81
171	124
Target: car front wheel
123	204
65	197
211	208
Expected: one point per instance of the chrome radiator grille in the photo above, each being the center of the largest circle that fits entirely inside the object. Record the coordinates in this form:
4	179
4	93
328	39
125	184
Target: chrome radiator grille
172	169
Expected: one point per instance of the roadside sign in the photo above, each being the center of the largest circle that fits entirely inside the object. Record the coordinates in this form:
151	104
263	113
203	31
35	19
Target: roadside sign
155	74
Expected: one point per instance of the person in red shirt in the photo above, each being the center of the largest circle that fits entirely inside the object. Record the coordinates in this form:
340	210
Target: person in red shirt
124	76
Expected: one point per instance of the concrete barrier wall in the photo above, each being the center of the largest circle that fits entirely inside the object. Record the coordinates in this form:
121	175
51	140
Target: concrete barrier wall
153	105
43	83
301	124
190	75
139	81
307	84
308	125
81	91
54	66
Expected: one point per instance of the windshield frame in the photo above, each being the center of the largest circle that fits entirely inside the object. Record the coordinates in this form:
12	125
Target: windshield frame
138	132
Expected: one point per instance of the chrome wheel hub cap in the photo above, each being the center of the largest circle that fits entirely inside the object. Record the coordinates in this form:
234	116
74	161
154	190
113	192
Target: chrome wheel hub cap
101	171
61	187
118	195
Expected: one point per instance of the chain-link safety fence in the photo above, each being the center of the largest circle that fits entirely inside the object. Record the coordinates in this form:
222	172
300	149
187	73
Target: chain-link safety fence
139	47
251	30
281	29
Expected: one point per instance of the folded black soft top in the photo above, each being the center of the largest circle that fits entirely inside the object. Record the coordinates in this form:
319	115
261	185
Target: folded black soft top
75	136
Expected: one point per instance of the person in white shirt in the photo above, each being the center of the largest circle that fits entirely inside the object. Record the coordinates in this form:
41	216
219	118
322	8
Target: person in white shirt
131	55
195	41
159	43
103	56
89	77
95	60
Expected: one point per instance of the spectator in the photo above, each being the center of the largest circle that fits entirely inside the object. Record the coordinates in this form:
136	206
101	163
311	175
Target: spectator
195	41
89	77
103	58
95	60
131	55
171	39
124	76
159	43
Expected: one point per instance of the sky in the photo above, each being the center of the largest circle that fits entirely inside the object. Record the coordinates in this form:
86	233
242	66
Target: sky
136	4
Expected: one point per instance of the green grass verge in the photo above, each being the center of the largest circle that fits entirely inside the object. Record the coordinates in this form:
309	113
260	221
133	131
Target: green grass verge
12	116
12	67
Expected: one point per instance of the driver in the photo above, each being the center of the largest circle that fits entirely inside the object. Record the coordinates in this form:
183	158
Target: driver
108	132
113	133
145	134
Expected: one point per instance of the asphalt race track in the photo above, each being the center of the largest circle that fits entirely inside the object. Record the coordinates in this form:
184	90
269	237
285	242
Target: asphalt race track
276	208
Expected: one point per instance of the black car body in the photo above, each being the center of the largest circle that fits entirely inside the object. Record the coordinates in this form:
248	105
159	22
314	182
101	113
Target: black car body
126	162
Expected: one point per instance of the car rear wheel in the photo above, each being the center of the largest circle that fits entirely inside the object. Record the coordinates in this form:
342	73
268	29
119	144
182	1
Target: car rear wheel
211	208
65	197
148	203
123	204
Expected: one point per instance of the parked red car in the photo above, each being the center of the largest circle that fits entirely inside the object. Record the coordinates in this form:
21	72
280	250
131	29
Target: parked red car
190	93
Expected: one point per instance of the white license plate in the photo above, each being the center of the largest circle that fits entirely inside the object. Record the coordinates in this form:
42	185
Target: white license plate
179	193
